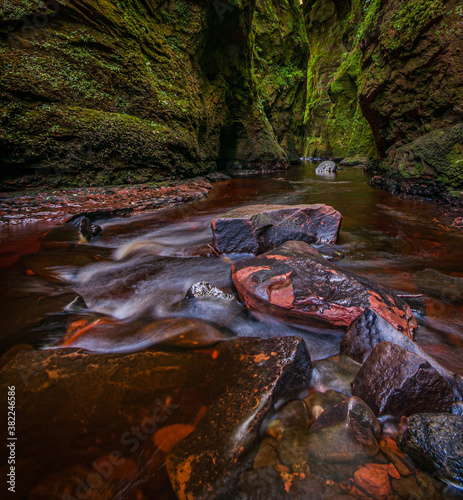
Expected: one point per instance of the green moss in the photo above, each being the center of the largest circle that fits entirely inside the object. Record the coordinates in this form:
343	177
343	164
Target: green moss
438	154
402	25
335	123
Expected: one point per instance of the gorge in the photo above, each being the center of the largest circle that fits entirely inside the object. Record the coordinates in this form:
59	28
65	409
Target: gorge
230	249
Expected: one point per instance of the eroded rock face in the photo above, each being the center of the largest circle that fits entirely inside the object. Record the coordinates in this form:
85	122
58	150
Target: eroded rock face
295	283
258	228
435	442
206	463
394	381
370	329
129	411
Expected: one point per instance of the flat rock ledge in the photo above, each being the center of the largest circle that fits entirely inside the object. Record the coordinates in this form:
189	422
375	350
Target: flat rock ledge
64	204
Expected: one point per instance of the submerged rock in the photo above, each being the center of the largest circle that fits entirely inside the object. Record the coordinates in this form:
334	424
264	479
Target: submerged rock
107	334
258	228
206	463
449	289
394	381
370	329
335	373
295	283
435	443
326	167
345	432
318	402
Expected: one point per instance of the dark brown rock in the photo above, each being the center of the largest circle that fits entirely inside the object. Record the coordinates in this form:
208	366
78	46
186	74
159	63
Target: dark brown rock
296	284
370	329
258	228
137	406
435	443
394	381
207	462
346	432
85	227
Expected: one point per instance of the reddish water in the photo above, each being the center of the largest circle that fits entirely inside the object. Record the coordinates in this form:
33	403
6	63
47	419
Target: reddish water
142	266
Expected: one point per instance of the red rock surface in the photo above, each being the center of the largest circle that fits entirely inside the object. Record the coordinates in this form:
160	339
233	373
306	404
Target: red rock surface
295	283
60	205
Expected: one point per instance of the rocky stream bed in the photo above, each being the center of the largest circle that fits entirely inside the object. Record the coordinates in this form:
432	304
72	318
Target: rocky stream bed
287	336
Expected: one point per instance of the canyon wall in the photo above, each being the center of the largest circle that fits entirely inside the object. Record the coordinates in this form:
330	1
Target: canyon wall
96	92
412	92
334	121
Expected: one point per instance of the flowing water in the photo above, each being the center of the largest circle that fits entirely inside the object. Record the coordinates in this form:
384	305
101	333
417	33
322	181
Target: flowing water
141	267
134	277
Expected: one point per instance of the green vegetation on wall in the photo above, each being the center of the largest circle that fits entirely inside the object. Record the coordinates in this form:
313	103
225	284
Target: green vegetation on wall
334	121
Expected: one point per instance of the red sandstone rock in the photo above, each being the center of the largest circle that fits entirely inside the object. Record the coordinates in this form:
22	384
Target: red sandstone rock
294	283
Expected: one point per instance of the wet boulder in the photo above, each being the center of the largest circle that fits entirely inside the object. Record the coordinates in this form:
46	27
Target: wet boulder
370	329
135	408
394	381
435	443
330	252
206	464
326	167
204	290
208	302
294	283
85	227
258	228
345	432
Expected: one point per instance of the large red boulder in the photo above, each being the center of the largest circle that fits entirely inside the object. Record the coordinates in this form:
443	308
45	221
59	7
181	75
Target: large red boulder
258	228
294	283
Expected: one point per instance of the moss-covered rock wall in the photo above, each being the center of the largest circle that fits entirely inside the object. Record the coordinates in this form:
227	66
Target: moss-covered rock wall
96	92
412	88
334	121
